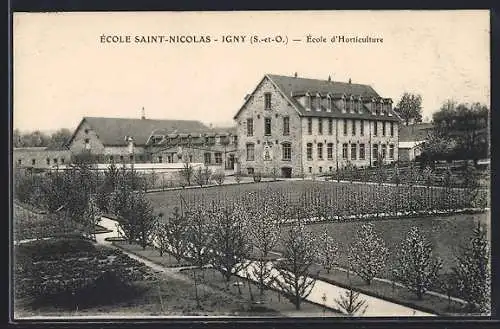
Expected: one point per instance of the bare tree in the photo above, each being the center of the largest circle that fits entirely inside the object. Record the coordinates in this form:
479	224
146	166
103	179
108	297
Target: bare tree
265	234
417	268
187	172
298	257
230	244
368	253
351	303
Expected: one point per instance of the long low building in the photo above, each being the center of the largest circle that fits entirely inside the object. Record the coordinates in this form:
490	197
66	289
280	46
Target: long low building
40	157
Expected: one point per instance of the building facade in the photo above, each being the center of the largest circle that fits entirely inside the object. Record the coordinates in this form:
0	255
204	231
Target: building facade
122	140
39	157
295	126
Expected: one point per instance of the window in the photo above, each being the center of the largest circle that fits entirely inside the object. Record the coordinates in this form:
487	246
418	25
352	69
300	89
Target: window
218	158
320	151
330	126
121	158
383	128
309	126
310	169
320	126
287	151
329	151
392	129
353	151
141	158
250	171
190	158
87	144
207	156
267	126
348	105
47	160
354	127
361	151
359	104
20	161
330	168
344	151
331	104
375	128
308	102
55	160
315	102
345	127
375	152
249	127
309	151
361	127
267	101
62	160
250	152
286	126
320	169
131	158
110	158
391	151
384	151
352	105
33	162
86	131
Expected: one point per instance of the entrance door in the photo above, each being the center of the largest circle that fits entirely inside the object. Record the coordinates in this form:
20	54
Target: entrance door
286	172
230	162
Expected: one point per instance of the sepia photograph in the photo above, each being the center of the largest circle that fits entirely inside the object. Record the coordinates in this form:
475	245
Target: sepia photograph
251	164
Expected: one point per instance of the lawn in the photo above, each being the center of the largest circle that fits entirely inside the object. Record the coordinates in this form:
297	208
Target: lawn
246	294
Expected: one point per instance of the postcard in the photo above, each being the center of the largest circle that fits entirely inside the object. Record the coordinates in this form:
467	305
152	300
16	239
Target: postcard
251	164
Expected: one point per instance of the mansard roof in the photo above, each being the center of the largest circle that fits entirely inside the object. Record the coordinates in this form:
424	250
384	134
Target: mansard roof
293	87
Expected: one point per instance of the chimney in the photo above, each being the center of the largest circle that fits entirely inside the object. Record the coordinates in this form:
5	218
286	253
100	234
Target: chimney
295	75
349	80
143	114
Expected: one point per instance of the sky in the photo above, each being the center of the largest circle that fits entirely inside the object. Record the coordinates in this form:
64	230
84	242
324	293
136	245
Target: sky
63	72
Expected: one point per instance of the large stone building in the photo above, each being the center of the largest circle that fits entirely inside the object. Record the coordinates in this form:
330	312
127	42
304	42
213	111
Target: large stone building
297	126
123	140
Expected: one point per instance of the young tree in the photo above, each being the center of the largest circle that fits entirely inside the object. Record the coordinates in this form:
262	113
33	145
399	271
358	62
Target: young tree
298	256
198	239
328	251
187	172
417	269
351	303
473	273
202	176
409	108
264	234
368	253
219	176
92	216
173	233
230	244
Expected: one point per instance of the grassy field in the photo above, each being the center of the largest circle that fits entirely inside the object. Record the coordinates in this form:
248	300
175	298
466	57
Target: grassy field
445	233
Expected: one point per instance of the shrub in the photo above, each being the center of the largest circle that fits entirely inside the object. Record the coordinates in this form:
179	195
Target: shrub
257	177
219	176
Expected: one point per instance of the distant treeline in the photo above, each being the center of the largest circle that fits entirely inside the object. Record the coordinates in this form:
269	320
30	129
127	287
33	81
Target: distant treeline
41	139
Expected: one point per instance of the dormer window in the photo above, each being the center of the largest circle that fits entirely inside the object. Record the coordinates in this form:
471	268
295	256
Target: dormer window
330	105
318	102
352	108
308	102
315	102
359	106
343	104
347	103
374	107
380	109
388	108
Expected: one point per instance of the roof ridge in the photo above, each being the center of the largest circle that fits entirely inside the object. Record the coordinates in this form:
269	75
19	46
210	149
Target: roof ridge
316	79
